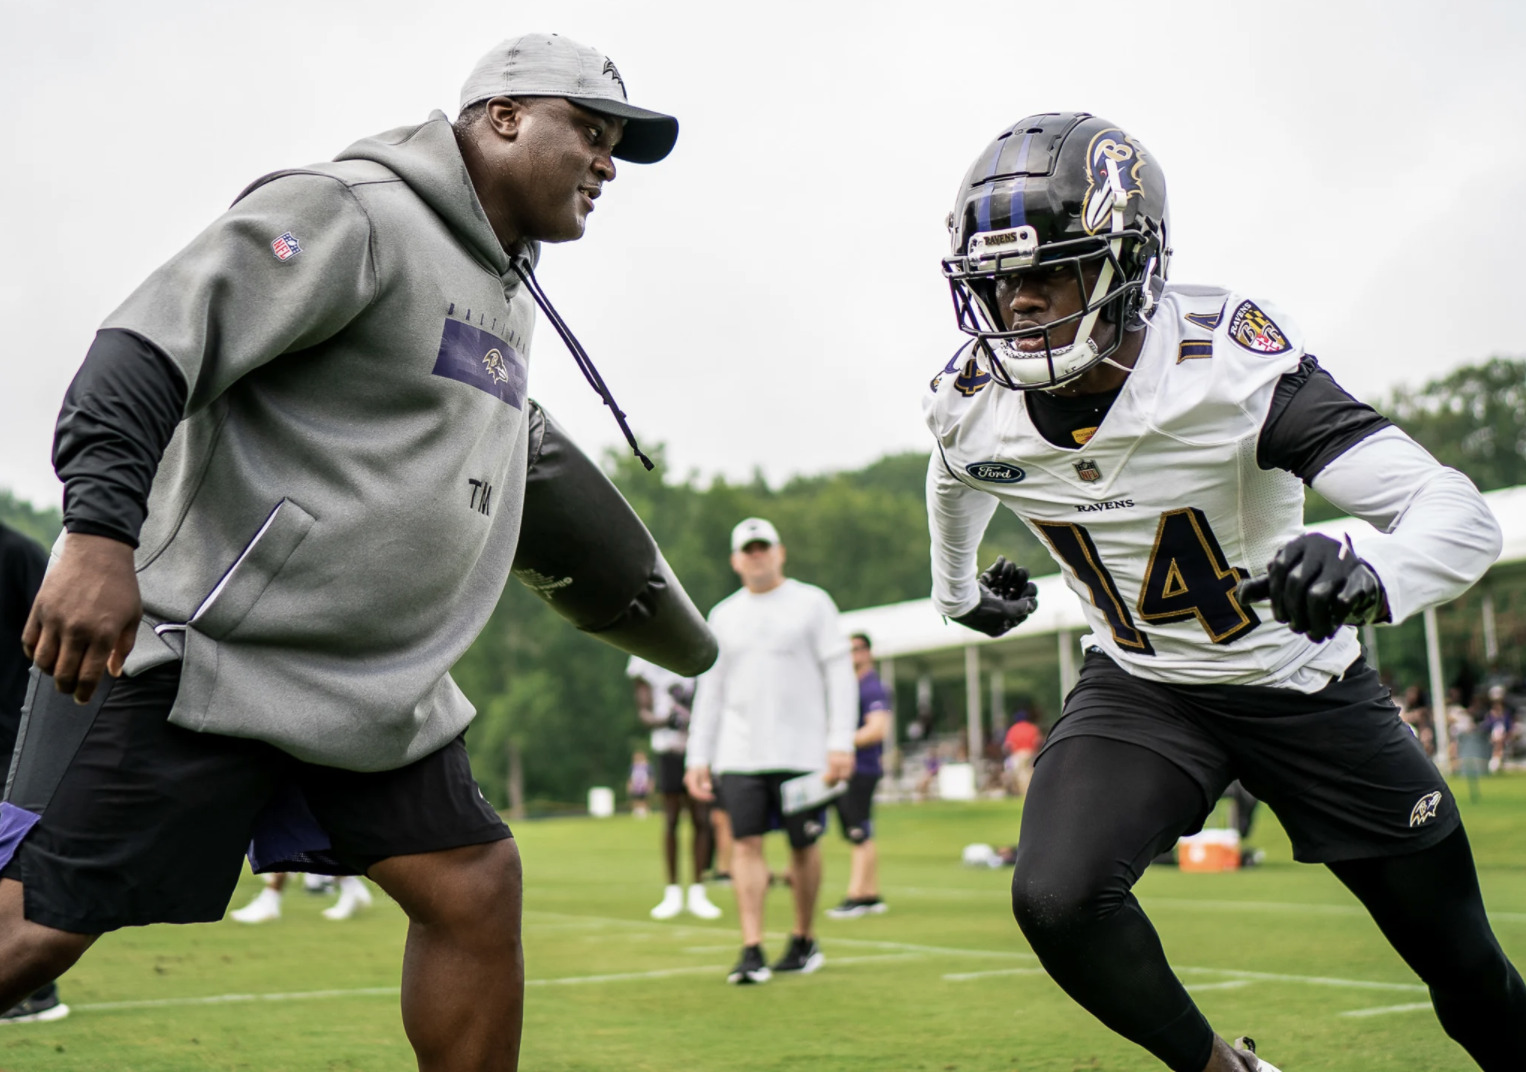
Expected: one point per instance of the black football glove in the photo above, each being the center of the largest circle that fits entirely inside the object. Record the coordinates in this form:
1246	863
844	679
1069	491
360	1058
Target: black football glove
1007	597
1316	586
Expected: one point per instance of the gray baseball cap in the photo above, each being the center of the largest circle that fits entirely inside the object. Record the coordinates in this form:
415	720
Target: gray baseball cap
549	65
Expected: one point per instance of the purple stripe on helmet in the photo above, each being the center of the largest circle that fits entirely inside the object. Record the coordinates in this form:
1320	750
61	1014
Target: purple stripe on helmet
1018	215
983	209
15	823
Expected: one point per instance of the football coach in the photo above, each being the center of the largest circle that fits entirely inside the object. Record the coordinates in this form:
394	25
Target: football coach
294	463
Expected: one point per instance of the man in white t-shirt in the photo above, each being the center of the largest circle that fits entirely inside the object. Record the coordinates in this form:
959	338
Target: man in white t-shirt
781	702
662	703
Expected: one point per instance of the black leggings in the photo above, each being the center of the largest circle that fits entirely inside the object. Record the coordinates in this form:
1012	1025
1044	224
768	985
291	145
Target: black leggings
1099	810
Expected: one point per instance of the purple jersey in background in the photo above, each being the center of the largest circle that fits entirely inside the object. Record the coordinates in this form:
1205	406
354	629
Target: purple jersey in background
872	697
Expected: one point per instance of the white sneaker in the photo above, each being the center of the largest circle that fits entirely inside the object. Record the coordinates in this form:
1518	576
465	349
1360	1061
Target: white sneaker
699	904
353	895
1245	1046
265	907
672	903
318	883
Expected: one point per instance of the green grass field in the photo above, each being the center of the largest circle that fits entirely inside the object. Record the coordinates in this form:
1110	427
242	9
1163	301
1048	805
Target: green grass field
943	981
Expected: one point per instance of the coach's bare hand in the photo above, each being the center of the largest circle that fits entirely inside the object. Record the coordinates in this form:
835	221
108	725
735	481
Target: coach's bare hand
698	780
839	766
85	618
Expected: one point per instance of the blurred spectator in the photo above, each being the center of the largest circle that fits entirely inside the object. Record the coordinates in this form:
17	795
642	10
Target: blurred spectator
639	786
1243	815
1022	744
921	725
932	761
855	808
1415	711
1470	742
779	704
1498	722
663	701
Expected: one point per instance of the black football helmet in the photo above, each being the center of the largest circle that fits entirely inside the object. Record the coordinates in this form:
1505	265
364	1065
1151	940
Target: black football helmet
1058	190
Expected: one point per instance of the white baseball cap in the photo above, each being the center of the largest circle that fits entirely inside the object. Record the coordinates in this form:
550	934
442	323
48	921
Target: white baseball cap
751	531
549	65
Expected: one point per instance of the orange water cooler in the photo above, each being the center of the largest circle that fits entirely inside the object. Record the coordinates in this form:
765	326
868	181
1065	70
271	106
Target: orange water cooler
1211	851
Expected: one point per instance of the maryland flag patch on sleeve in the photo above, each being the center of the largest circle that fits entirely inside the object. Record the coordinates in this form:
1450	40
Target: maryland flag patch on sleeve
1253	328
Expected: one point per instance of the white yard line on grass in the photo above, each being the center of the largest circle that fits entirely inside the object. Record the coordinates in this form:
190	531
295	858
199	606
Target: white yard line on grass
1290	906
965	976
623	976
1413	1006
1233	984
682	930
371	991
230	999
908	952
1307	980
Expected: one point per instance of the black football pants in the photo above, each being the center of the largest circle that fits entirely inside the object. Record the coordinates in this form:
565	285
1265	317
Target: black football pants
1099	810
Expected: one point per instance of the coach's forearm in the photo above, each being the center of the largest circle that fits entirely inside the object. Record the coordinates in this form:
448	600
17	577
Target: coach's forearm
117	417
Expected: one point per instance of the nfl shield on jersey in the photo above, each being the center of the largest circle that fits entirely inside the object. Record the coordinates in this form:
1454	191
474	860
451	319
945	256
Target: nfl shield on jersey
1163	510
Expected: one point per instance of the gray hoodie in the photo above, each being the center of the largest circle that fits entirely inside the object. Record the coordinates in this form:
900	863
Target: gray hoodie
335	518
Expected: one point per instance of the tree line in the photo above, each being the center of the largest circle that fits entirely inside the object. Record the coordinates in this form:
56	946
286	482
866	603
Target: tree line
554	709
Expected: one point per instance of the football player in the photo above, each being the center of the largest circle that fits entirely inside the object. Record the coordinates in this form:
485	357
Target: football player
1157	438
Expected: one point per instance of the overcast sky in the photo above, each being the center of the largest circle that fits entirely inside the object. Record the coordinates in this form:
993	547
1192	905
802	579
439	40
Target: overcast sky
769	296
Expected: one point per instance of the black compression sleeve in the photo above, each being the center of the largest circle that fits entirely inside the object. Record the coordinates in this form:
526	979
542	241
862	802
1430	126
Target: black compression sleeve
117	418
1312	422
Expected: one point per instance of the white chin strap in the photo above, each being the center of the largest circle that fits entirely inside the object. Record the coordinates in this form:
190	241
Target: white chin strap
1069	361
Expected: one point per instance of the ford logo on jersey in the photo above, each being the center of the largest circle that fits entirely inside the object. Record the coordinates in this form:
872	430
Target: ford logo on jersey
995	472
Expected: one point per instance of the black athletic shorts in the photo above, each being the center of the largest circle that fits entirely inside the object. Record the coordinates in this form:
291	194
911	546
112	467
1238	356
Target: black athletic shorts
752	802
855	808
670	773
1345	776
139	821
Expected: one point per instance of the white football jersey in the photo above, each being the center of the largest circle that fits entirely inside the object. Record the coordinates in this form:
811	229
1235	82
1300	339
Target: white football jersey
663	682
1158	516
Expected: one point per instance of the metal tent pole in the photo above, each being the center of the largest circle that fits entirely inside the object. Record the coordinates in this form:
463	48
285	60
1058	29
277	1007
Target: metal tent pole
1438	691
1067	662
972	703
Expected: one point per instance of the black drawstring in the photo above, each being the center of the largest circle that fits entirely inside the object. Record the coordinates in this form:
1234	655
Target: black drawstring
585	365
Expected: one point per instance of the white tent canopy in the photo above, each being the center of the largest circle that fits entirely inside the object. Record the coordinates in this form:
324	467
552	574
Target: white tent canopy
913	629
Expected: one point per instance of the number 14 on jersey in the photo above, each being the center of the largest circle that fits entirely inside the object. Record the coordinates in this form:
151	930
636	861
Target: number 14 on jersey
1187	577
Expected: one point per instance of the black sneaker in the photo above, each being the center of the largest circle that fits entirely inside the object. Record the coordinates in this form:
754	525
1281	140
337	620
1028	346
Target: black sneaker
751	967
41	1005
848	909
873	905
802	958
